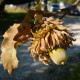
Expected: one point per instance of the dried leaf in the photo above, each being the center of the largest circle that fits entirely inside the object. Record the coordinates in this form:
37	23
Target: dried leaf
24	29
8	56
23	34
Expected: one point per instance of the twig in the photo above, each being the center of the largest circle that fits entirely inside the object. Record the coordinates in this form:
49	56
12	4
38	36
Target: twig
57	12
66	9
32	12
63	15
70	8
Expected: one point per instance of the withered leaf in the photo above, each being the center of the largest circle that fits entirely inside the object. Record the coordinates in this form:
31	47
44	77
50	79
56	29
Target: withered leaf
8	56
23	34
24	29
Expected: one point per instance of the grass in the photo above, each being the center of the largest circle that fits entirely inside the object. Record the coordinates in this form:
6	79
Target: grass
9	18
74	74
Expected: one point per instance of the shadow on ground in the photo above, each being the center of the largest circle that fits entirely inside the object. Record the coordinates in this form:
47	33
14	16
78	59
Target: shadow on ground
30	70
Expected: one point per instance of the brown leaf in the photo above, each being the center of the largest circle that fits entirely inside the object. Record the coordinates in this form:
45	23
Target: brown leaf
23	34
24	29
8	56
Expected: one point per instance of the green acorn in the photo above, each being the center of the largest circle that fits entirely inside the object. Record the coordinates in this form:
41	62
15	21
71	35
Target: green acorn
58	56
50	33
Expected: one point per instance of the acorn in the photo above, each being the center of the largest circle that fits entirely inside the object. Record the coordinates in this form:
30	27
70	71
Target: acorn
58	56
52	36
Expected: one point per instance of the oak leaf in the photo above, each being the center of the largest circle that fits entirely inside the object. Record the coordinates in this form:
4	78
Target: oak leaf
24	32
8	56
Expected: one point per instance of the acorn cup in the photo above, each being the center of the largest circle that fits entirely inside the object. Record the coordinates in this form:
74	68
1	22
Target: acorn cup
49	36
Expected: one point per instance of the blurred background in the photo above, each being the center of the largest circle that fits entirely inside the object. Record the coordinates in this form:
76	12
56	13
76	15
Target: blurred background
14	11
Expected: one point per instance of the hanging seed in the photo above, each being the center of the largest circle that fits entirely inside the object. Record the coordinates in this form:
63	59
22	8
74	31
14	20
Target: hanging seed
58	56
51	34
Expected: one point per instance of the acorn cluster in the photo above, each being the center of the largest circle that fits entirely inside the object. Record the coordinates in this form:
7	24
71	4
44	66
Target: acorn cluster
50	34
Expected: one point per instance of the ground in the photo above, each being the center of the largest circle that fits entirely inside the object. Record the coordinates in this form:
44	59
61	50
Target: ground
30	70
